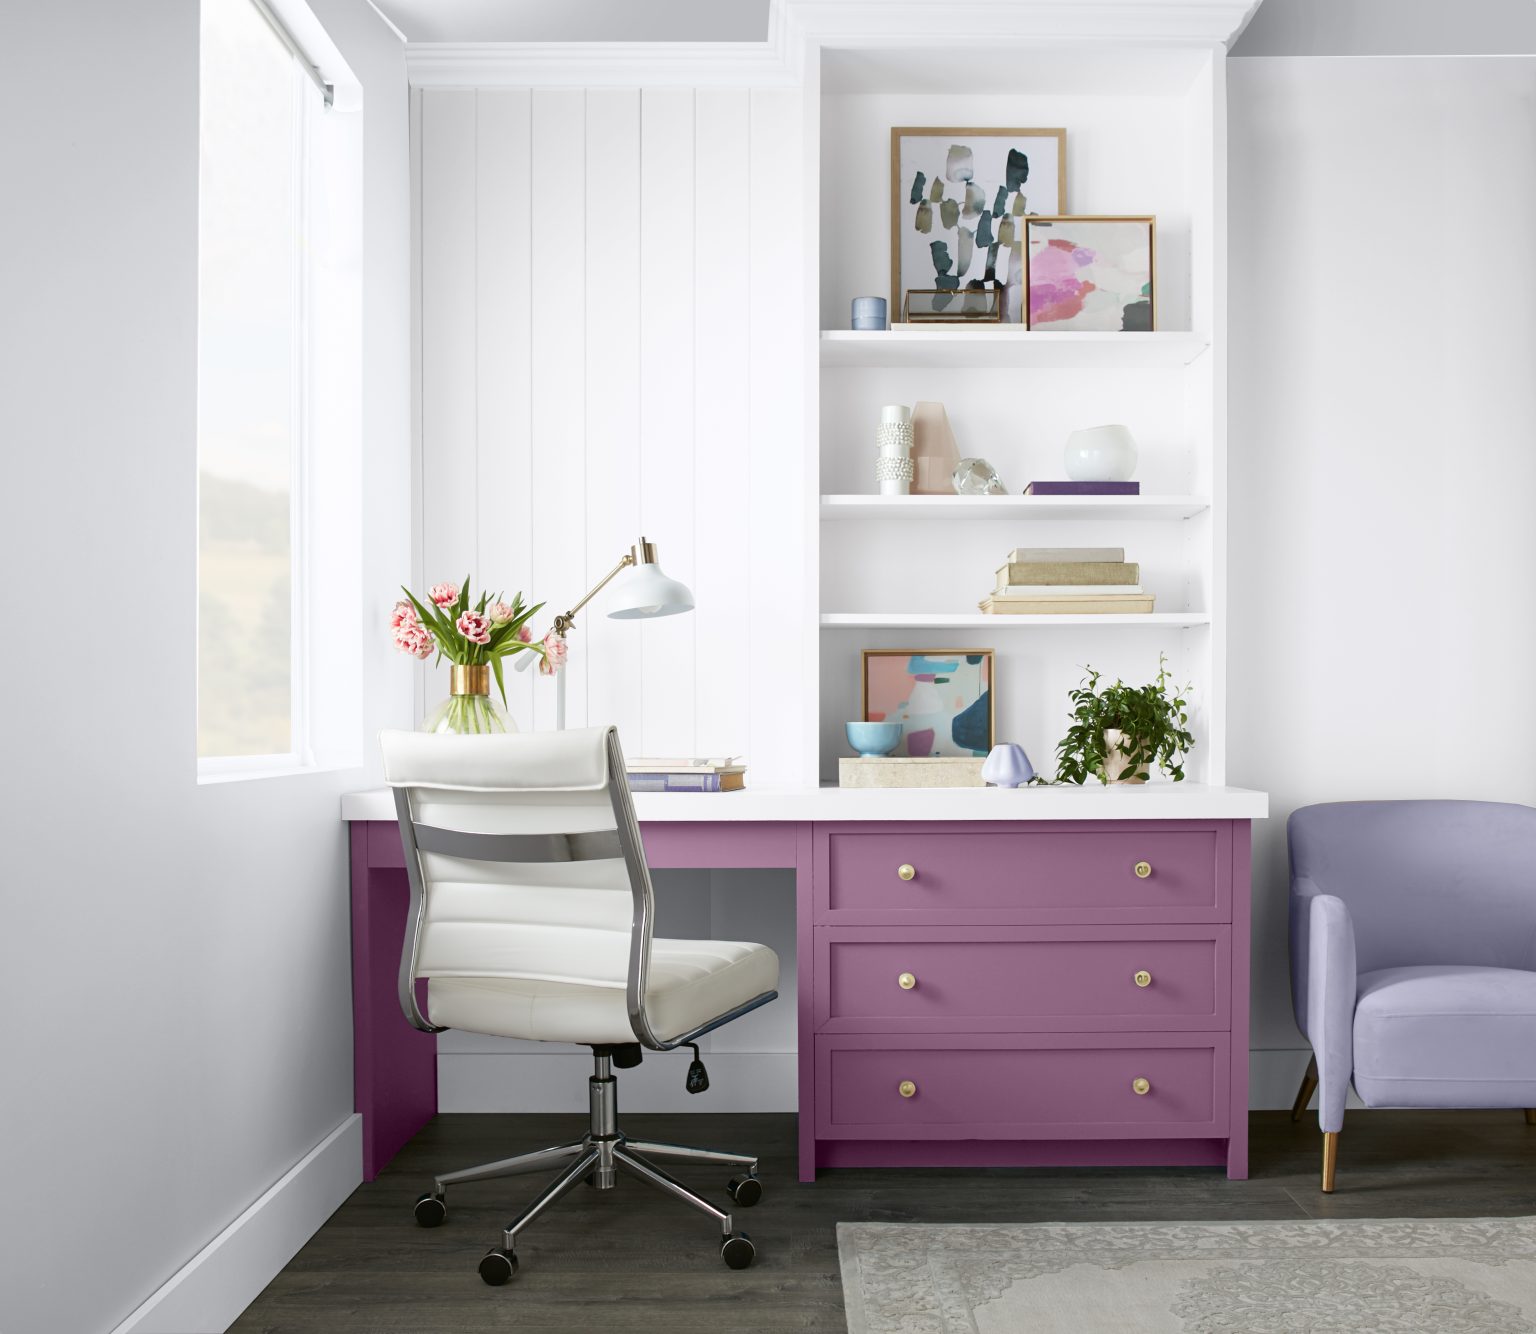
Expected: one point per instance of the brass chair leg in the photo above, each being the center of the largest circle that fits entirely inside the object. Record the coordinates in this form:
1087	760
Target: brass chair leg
1330	1159
1530	1116
1305	1092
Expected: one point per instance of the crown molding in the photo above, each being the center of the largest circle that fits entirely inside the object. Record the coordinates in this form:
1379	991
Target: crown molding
794	26
594	64
608	64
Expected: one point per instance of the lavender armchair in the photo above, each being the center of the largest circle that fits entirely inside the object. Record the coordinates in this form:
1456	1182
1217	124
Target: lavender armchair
1413	956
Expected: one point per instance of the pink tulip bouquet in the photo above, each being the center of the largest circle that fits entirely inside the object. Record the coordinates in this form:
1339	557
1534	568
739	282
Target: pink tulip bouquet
474	637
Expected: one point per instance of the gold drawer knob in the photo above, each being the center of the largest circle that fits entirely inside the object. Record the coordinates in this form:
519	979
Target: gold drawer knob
906	1088
1140	1085
906	871
906	981
1142	869
1143	978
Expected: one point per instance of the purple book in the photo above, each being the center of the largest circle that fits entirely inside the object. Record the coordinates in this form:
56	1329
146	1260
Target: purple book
1083	489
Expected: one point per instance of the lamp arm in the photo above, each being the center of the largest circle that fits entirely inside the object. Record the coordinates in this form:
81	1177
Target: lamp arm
564	622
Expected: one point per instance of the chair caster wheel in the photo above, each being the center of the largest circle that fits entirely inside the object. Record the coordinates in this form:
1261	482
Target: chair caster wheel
738	1251
498	1266
431	1211
745	1191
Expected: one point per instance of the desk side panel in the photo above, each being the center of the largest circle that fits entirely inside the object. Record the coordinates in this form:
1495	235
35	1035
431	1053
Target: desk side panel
394	1066
1242	951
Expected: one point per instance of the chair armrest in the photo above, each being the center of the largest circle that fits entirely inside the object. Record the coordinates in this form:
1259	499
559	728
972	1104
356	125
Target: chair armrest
1323	991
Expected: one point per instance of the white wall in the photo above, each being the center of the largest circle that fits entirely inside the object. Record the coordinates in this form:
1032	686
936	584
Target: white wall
1383	414
610	307
179	1032
610	288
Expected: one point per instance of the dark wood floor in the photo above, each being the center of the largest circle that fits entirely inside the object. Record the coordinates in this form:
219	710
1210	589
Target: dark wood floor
632	1260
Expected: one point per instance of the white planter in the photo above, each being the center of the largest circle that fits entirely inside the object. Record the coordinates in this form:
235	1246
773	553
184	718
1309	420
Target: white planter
1115	762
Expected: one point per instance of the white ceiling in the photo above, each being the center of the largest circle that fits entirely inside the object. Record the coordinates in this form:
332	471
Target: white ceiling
578	20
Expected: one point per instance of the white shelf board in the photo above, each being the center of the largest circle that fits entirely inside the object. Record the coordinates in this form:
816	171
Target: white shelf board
1006	347
975	620
1012	507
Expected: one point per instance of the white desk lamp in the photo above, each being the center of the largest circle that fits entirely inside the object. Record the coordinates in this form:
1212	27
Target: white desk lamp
647	593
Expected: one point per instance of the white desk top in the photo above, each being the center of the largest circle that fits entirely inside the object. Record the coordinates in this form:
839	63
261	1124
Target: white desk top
1151	801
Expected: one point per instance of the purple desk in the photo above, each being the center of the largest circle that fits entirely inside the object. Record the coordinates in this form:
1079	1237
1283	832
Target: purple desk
986	977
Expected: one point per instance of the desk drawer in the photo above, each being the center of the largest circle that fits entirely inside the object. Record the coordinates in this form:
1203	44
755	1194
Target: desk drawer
1079	1086
1022	979
1073	874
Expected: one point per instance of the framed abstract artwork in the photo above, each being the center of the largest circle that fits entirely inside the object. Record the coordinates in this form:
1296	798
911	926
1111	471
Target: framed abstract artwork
1091	273
958	201
941	697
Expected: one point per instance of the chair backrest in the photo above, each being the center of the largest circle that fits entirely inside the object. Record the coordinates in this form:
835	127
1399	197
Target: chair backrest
1450	882
524	860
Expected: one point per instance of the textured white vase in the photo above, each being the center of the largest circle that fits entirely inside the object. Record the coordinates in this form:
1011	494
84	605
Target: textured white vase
1101	454
893	446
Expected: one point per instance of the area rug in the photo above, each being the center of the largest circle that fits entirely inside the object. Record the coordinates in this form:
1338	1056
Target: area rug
1391	1276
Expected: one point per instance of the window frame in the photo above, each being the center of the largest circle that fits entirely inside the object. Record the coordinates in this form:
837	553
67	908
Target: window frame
325	407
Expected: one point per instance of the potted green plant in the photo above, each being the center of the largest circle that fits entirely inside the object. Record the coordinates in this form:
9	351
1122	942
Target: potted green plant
1119	732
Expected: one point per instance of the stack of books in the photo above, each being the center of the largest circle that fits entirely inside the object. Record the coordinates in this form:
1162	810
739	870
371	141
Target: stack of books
1067	581
722	773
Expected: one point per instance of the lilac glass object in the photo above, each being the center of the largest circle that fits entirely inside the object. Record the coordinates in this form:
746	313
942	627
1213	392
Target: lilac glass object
1007	766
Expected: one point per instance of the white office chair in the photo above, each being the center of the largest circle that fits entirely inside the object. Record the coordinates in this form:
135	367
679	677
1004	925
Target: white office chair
531	915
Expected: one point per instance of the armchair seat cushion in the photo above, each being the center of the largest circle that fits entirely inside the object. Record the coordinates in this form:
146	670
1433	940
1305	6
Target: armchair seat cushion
690	982
1445	1035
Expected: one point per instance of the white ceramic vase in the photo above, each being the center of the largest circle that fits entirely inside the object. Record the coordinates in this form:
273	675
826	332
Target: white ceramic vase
1115	761
1101	454
893	450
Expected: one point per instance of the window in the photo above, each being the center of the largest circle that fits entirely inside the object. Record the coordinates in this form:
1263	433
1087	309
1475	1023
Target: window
270	378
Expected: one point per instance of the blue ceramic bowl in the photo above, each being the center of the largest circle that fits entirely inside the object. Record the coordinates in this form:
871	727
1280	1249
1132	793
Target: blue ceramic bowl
872	740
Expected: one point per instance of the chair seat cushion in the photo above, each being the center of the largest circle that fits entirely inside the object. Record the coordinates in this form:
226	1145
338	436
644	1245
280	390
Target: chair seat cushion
1440	1035
690	982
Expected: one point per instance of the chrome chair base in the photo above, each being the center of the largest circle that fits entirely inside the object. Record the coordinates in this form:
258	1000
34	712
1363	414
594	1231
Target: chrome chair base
597	1158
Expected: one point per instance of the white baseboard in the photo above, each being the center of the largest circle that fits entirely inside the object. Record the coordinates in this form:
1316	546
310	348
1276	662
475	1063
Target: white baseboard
557	1082
211	1290
739	1082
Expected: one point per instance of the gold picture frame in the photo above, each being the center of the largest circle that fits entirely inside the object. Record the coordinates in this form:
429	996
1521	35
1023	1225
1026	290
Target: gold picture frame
990	675
1050	219
899	132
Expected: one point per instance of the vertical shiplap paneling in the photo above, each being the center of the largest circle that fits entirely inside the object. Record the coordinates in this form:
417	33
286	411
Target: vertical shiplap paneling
557	290
448	297
612	187
667	458
503	357
721	358
780	697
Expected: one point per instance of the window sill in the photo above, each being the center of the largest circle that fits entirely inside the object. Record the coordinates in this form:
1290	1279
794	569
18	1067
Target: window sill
242	771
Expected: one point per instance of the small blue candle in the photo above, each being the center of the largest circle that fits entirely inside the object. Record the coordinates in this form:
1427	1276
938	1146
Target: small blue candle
869	312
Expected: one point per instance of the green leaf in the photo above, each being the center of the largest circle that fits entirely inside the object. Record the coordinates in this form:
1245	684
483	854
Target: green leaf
501	685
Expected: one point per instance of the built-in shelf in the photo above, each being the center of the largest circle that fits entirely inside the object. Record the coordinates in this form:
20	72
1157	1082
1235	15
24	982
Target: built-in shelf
975	620
1007	347
1012	507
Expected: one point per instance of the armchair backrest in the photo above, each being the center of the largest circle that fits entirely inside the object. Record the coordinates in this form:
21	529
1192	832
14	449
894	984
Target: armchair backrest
1425	882
524	860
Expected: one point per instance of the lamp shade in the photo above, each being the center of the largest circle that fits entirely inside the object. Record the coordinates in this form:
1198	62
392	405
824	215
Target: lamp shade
646	592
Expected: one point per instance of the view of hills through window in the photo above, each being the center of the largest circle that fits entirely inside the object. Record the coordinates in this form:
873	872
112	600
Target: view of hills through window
250	380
